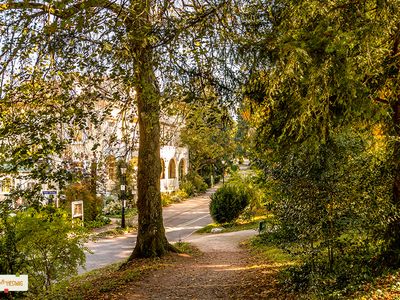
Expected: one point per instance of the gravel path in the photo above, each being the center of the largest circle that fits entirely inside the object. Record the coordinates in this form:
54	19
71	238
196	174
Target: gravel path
223	271
222	242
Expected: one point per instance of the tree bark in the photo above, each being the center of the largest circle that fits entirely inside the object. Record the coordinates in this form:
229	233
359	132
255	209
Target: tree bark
393	232
393	229
151	240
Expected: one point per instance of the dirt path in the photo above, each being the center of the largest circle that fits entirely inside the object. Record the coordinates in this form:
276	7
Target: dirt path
223	271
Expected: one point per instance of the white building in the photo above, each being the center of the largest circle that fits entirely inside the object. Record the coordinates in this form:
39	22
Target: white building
105	144
117	138
174	163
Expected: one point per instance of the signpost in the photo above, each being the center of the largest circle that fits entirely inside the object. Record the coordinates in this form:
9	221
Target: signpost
51	195
123	193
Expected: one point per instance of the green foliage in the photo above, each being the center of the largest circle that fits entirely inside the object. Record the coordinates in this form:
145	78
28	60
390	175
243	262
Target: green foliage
249	184
11	259
199	183
92	205
242	140
234	168
174	197
179	195
331	205
43	244
166	199
130	182
193	184
28	196
227	203
325	115
208	133
62	52
188	187
113	206
100	221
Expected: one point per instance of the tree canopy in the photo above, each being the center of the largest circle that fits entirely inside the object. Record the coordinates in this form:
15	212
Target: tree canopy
324	95
69	52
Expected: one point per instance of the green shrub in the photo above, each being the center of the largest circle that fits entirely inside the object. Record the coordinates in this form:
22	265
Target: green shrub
112	206
169	198
228	203
193	183
100	221
234	168
207	180
188	187
92	205
42	243
179	195
166	199
255	194
199	183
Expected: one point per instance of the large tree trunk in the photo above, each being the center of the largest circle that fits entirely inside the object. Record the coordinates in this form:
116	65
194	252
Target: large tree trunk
151	239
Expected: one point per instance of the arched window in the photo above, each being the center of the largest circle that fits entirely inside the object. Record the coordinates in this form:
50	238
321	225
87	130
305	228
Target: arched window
162	169
182	168
172	169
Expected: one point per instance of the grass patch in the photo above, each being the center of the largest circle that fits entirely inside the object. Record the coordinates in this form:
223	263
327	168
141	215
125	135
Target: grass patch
101	283
108	282
187	248
118	231
238	225
98	283
270	252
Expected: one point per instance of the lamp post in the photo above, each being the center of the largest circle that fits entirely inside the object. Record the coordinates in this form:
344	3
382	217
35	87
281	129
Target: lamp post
135	168
123	191
223	171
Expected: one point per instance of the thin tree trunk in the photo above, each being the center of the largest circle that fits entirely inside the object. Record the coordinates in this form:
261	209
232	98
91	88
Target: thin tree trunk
393	230
93	177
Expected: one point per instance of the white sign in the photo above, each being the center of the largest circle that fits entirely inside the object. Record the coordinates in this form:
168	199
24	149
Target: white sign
11	283
77	209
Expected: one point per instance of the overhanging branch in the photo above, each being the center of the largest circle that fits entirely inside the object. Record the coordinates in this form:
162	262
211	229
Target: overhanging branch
188	23
67	12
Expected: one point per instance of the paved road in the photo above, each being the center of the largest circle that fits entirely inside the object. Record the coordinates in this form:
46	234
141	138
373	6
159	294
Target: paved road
180	221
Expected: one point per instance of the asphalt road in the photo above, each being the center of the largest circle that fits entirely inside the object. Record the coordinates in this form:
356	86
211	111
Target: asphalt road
180	221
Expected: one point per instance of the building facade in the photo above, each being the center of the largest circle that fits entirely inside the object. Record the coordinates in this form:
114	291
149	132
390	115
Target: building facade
99	149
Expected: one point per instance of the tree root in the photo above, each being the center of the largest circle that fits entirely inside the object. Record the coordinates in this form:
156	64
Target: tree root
135	255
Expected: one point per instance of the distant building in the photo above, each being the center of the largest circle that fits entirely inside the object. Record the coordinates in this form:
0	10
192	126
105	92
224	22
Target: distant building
116	139
104	145
174	163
